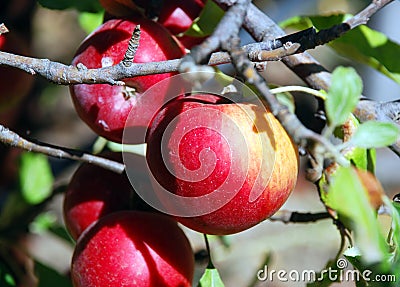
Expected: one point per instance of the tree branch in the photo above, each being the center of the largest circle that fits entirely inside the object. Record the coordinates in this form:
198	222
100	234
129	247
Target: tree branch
287	216
262	28
363	17
318	146
67	75
269	50
12	139
227	28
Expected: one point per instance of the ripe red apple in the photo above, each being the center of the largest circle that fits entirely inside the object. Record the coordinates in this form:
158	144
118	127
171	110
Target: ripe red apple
178	15
241	150
94	192
132	248
104	107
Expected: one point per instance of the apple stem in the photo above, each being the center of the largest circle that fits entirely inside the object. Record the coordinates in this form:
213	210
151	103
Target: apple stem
133	45
210	264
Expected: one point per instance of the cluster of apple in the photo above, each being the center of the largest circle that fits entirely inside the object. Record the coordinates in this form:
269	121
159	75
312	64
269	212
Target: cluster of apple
120	240
234	162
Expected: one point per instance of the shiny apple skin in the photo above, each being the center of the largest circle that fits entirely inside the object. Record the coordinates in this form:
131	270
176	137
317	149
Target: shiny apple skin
132	248
94	192
105	108
239	213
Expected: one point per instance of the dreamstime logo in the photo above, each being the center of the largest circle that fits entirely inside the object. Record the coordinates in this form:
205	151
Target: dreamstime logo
226	128
339	274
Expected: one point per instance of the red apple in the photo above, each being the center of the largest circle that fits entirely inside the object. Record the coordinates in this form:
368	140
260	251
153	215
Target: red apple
178	15
104	107
132	248
235	160
94	192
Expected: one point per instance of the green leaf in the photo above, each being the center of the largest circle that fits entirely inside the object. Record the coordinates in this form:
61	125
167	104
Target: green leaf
354	257
371	271
286	99
36	178
6	276
296	22
43	222
396	223
395	228
324	278
370	47
395	235
373	134
347	196
90	21
361	44
343	95
371	160
357	156
211	278
83	6
205	24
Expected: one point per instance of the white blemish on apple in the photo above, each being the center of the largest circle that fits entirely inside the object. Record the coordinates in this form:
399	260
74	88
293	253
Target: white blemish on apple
107	62
104	125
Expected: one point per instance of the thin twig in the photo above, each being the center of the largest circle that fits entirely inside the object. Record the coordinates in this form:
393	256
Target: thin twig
363	17
287	216
262	28
62	74
313	142
228	27
385	112
256	22
288	48
10	138
259	26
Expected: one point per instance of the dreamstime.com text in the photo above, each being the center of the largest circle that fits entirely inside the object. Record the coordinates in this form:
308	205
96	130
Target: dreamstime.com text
341	274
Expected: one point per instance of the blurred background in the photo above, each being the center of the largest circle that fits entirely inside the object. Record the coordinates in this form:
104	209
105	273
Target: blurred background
46	113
